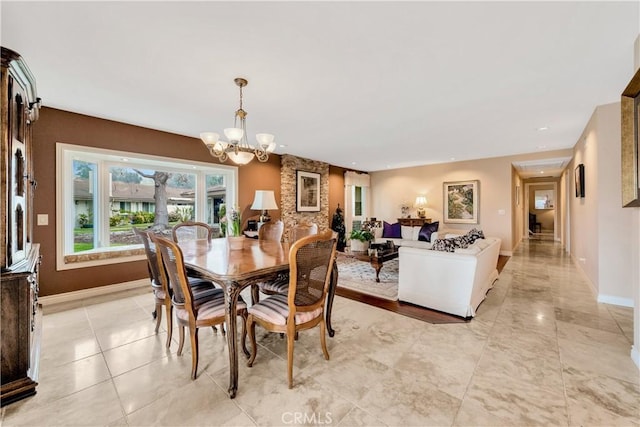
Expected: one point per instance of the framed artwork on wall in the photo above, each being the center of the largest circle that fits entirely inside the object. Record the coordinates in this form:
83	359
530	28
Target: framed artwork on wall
579	180
461	202
307	191
630	143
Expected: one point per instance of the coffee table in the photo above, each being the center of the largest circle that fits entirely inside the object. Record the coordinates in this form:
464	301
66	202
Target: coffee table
378	258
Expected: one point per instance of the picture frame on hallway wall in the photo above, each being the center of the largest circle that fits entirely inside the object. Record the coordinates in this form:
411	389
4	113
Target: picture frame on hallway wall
461	202
579	180
307	191
630	144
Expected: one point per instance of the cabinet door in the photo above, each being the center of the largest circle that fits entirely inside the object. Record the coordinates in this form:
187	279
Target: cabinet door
18	193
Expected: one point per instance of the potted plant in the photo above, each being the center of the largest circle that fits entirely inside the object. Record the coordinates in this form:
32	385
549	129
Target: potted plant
234	222
360	240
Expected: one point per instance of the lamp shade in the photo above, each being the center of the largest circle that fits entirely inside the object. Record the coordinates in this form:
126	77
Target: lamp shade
264	199
421	202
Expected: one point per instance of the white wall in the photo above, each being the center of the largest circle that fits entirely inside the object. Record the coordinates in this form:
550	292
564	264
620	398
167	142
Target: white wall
601	229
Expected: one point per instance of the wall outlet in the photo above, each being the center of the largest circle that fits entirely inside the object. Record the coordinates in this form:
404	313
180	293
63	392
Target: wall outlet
43	219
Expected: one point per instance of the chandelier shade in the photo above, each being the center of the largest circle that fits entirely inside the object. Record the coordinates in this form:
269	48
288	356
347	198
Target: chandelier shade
237	148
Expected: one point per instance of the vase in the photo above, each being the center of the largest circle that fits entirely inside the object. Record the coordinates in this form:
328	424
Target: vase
235	242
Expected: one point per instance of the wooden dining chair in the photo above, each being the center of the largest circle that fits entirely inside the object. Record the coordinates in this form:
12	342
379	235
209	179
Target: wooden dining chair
162	290
191	230
310	262
299	231
193	312
271	231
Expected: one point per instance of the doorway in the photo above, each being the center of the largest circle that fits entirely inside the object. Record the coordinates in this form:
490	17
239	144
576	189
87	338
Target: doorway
541	211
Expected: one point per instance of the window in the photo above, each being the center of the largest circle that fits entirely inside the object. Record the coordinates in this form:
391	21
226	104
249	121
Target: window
102	194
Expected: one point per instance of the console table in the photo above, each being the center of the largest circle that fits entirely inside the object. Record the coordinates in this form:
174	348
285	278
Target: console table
414	222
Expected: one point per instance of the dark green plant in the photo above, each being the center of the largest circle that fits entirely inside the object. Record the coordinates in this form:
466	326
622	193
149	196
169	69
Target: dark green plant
362	235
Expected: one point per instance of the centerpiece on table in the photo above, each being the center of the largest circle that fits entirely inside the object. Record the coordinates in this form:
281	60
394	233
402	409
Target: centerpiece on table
235	237
360	240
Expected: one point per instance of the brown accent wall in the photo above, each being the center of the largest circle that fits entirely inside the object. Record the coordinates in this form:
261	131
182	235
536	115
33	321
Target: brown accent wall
71	128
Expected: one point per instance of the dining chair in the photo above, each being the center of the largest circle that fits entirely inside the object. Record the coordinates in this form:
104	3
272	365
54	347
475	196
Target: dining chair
162	290
271	231
191	230
192	312
310	264
299	231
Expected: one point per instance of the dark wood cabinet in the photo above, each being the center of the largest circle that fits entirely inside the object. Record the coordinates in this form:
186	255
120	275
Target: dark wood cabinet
19	255
414	222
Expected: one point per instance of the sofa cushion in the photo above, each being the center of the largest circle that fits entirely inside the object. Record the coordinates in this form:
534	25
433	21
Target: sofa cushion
449	245
407	232
414	244
392	231
377	232
426	230
471	250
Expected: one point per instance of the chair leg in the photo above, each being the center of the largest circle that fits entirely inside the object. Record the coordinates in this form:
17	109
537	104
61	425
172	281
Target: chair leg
181	343
244	334
290	340
193	332
169	310
323	339
251	326
158	315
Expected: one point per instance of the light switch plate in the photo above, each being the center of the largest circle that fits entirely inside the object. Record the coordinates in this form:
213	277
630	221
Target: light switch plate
43	219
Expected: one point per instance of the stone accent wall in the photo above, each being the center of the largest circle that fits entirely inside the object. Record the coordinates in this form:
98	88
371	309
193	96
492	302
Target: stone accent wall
289	165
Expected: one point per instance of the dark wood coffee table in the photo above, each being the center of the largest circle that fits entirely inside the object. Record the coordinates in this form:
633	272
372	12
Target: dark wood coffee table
378	260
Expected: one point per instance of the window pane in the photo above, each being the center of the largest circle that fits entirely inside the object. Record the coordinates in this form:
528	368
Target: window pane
357	199
84	190
216	195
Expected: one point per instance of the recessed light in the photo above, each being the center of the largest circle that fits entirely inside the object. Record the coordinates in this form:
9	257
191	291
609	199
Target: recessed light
353	163
125	160
283	145
453	158
541	172
542	128
541	147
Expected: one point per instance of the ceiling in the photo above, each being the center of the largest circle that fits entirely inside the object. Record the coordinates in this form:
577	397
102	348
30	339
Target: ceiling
363	85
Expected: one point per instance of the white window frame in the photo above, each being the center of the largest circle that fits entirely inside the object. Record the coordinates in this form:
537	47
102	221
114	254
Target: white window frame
66	153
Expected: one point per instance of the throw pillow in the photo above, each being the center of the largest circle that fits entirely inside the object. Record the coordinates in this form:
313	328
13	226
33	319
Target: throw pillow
391	231
406	231
426	230
449	245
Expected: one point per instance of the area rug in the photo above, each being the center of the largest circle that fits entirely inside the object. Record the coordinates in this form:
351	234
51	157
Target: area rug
360	276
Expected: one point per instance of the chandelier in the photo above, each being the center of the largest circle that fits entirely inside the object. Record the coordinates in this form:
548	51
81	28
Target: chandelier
238	149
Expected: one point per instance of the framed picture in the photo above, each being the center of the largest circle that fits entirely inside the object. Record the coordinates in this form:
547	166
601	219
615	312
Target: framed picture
461	202
630	143
579	180
307	191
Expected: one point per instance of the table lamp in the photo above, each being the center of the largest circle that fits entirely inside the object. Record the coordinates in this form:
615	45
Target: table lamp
264	200
420	204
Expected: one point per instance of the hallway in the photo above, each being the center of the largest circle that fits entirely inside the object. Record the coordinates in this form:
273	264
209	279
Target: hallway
541	351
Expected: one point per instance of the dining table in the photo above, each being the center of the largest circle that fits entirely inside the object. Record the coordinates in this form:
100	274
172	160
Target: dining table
234	270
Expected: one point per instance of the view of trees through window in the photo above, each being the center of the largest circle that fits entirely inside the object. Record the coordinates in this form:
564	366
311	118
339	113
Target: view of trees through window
137	197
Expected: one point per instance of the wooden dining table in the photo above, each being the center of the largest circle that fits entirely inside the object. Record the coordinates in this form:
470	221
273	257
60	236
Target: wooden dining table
234	270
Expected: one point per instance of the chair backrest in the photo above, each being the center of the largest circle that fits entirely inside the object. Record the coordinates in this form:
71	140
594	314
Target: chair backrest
299	231
271	231
174	273
310	263
191	230
152	258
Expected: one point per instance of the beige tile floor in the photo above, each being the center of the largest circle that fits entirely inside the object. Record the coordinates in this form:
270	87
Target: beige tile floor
541	351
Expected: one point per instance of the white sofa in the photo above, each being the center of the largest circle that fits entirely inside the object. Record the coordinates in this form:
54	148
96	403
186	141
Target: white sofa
450	282
409	238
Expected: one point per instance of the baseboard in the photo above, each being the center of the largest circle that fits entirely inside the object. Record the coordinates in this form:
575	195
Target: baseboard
92	292
635	355
609	299
506	253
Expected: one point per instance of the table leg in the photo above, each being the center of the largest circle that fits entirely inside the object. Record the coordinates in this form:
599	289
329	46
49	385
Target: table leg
330	294
377	265
232	293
